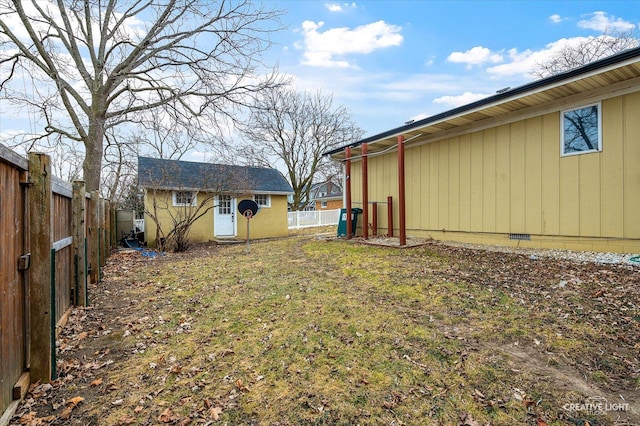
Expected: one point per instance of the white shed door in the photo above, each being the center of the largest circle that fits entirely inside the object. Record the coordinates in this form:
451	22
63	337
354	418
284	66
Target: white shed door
224	216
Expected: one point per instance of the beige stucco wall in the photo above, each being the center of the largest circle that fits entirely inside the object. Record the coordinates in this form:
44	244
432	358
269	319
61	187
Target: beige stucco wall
268	223
484	185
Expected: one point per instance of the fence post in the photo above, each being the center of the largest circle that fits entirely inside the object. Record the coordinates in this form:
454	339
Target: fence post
94	232
79	237
40	301
374	219
390	216
105	233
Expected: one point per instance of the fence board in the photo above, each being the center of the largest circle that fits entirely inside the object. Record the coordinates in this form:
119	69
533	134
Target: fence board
62	232
309	218
13	298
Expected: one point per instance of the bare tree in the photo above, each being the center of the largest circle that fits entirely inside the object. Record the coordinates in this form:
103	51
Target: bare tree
294	129
591	49
96	65
119	165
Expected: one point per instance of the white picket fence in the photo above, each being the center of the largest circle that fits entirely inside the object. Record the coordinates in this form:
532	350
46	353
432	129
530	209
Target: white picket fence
304	219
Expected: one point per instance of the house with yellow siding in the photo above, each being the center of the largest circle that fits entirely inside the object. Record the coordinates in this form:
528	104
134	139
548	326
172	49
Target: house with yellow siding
551	164
208	195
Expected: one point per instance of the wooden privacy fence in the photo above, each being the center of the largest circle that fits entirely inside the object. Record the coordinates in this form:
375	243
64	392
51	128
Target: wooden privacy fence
54	239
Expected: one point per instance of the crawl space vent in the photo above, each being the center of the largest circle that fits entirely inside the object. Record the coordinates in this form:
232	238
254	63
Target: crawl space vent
526	237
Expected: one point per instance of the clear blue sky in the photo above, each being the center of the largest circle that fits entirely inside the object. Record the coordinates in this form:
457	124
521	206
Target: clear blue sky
392	61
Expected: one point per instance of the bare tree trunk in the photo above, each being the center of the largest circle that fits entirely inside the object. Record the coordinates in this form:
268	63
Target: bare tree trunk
92	165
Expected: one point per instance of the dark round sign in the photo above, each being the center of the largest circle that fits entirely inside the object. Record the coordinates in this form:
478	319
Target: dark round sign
248	208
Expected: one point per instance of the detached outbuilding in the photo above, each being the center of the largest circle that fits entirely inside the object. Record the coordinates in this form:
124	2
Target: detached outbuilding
209	194
553	164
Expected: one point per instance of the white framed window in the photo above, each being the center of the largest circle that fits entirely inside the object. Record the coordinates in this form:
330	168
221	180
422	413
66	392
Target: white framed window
263	200
224	204
323	204
581	130
184	198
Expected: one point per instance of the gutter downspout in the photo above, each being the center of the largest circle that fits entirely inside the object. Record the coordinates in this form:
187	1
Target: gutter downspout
401	193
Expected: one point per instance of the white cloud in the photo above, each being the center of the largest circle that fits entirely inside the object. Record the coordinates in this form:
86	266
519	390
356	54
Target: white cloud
325	49
556	19
520	63
336	7
475	56
459	100
599	21
333	7
523	63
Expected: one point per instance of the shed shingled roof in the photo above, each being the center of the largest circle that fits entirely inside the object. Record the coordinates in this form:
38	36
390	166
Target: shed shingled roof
173	174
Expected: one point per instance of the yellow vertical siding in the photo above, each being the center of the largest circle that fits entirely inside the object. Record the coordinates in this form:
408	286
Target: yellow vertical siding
550	179
489	180
465	183
434	187
503	183
631	166
517	178
414	187
454	183
376	185
476	182
425	194
612	166
569	195
589	183
443	188
533	175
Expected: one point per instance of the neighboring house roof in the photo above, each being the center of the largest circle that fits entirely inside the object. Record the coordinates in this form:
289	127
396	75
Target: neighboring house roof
325	191
600	78
188	175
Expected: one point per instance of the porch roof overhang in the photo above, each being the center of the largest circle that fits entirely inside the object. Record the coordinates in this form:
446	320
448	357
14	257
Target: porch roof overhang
598	80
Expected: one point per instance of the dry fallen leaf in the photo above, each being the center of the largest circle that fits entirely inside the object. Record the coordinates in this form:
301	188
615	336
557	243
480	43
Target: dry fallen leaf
74	401
66	413
126	420
541	422
168	416
215	412
96	382
71	404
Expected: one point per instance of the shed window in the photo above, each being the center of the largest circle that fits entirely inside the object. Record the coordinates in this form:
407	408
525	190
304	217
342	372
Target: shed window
184	198
224	204
263	200
581	130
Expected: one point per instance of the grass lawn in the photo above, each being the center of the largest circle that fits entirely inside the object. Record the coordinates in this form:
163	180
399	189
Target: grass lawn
309	331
